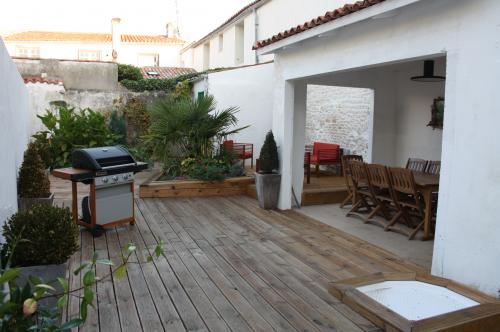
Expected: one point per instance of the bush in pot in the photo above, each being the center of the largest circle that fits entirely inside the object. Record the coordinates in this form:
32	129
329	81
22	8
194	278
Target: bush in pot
33	184
267	180
49	237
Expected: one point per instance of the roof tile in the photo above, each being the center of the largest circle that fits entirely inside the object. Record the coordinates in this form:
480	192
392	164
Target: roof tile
165	72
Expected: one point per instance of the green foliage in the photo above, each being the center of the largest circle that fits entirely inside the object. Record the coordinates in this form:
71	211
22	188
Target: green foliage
20	306
67	130
183	90
188	128
49	236
156	84
118	127
269	155
33	179
128	72
137	116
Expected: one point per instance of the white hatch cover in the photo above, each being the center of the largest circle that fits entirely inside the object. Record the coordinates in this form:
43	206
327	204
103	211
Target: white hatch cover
415	300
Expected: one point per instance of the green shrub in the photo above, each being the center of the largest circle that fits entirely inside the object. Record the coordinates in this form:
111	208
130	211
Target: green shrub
138	118
33	179
268	159
128	72
156	84
49	236
67	130
118	127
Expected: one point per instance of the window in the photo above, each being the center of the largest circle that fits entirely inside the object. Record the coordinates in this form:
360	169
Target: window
89	55
206	56
221	42
201	94
148	60
239	44
28	52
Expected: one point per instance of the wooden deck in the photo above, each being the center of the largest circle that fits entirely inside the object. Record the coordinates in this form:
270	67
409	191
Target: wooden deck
230	266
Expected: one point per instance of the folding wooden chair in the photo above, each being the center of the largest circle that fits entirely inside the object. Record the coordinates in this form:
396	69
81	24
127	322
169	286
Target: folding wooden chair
361	191
433	167
380	188
416	164
347	176
406	199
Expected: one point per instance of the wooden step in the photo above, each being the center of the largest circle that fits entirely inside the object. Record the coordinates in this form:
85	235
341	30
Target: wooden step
313	196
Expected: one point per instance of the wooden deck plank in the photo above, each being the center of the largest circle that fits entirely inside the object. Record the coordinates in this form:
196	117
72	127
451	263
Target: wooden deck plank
229	266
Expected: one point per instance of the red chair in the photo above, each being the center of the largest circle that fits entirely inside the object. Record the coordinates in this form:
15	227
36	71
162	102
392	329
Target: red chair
242	151
326	154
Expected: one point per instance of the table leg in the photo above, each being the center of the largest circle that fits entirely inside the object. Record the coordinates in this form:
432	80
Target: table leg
428	213
74	201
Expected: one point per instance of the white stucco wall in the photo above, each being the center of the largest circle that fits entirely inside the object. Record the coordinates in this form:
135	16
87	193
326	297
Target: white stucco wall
250	89
273	17
466	245
14	131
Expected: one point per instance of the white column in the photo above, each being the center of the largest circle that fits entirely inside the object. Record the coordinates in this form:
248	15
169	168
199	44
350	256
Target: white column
283	134
299	132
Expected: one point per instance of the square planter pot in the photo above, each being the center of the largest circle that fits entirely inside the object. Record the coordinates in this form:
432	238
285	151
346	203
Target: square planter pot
48	273
24	203
268	189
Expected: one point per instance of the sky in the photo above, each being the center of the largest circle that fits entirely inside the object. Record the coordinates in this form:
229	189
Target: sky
196	17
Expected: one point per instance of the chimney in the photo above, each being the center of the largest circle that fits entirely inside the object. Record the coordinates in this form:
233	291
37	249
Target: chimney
116	37
172	31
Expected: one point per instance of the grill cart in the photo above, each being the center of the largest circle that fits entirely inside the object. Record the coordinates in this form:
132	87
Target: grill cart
110	173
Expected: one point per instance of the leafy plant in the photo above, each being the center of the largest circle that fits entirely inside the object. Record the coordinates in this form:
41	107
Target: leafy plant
183	90
118	127
21	308
49	236
268	158
156	84
189	128
67	130
33	180
128	72
138	118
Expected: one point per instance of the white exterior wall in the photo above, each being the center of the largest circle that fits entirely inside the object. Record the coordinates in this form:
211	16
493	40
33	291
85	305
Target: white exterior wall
273	17
466	245
250	89
128	53
14	131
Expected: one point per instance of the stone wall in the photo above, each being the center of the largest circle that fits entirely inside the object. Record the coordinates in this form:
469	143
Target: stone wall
339	115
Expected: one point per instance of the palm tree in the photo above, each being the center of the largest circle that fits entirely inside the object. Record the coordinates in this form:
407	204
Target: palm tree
189	128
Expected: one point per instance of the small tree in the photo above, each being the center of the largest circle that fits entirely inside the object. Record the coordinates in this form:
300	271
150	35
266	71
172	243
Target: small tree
33	180
269	155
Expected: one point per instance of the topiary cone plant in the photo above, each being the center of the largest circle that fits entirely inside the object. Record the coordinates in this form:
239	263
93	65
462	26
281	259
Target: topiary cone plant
267	180
33	183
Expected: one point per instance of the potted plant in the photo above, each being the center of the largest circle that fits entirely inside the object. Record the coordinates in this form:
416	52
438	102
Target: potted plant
267	180
33	184
48	237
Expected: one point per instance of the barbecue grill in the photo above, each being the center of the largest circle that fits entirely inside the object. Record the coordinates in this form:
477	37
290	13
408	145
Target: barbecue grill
110	173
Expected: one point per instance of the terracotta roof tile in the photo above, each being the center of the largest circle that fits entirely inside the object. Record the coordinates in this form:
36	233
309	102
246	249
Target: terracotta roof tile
328	17
89	37
38	79
165	72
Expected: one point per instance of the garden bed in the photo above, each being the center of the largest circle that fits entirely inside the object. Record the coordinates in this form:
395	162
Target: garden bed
194	188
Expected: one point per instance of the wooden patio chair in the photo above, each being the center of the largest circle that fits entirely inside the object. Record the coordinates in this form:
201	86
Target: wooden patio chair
242	151
416	164
407	200
347	176
307	166
433	167
361	191
380	188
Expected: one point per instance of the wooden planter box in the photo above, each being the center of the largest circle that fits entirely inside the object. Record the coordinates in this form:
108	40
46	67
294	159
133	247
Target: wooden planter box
195	188
483	317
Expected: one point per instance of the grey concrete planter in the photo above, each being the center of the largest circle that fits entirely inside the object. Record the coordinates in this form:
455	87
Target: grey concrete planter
24	203
268	190
48	274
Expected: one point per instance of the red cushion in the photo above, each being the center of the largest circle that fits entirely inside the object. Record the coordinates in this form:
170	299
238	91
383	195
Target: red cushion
248	155
329	155
228	144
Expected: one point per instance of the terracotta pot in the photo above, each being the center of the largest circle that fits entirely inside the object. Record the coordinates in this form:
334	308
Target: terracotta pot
268	189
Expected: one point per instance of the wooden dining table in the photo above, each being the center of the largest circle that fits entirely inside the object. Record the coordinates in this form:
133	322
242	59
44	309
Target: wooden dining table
426	184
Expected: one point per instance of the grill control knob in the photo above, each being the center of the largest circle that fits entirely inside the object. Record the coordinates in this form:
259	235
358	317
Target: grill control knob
115	178
105	180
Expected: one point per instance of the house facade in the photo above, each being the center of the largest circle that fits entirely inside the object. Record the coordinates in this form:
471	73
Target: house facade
230	45
381	45
138	50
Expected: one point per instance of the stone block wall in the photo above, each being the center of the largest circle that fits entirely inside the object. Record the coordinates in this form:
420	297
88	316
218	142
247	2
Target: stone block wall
340	115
